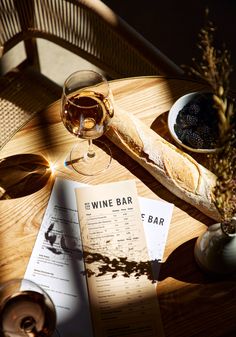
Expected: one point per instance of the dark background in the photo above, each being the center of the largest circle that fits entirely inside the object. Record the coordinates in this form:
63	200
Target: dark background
173	25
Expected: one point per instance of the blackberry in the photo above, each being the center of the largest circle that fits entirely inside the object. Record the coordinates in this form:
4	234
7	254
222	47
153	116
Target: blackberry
194	140
208	135
194	109
178	130
204	131
181	122
179	117
192	120
184	135
186	121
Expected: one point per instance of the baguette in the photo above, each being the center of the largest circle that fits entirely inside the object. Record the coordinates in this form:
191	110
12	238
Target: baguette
173	168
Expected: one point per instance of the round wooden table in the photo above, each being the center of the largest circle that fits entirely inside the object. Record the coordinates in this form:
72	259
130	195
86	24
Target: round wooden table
191	303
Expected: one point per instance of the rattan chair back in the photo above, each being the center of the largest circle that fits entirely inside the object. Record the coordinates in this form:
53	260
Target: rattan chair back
87	28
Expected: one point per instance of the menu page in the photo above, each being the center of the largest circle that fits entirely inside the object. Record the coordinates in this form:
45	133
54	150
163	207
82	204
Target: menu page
122	297
57	260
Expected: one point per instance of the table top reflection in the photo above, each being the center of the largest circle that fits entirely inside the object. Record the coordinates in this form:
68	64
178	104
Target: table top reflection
191	303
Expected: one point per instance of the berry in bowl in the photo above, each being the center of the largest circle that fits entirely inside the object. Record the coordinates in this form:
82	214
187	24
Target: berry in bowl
193	122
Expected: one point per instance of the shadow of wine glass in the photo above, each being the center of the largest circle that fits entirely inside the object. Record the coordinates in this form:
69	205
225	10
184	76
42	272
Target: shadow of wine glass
22	175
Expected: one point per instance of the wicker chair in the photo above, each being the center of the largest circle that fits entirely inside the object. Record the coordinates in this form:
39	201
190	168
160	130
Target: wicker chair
87	28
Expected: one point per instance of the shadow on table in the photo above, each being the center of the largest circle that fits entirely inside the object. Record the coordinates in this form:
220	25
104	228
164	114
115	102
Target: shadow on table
181	265
22	175
200	310
199	304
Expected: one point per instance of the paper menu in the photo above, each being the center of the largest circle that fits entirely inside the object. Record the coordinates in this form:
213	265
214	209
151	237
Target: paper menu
56	261
122	300
156	217
110	220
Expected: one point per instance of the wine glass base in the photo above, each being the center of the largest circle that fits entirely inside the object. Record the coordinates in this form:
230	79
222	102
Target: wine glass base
86	165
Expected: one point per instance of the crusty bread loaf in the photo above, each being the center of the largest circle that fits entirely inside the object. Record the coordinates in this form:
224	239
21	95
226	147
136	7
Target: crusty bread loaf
173	168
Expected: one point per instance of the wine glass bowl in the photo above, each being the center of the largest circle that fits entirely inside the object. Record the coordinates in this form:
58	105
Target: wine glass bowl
86	111
25	310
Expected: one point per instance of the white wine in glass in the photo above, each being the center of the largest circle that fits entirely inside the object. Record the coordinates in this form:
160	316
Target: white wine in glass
86	111
26	310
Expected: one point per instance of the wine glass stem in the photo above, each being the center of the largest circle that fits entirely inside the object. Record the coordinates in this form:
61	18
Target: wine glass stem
90	152
28	326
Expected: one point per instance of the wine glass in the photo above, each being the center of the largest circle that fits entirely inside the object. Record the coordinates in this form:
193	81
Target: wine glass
86	110
26	310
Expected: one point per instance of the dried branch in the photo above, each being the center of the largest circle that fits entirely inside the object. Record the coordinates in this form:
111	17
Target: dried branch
215	69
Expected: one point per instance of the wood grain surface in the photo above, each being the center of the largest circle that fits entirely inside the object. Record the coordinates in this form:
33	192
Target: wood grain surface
192	303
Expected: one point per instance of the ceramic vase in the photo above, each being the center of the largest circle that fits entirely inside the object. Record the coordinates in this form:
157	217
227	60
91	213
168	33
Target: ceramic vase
215	249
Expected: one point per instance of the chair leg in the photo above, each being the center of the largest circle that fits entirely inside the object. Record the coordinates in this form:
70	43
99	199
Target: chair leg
27	21
31	50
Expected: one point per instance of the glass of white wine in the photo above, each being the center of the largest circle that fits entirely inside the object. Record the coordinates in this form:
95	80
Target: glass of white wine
26	310
86	111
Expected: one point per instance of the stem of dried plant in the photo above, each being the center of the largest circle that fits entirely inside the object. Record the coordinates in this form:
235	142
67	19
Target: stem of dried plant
215	69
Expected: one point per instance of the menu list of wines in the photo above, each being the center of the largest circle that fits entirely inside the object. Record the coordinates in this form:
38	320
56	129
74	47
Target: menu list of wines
95	267
122	302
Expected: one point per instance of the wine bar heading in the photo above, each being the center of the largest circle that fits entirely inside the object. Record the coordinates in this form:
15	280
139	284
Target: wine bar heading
109	203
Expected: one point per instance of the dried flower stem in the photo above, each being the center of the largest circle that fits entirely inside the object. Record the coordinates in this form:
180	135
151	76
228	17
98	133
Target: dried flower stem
215	69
